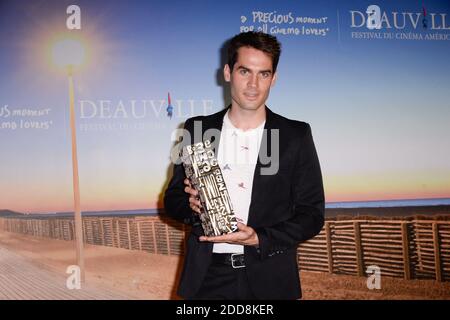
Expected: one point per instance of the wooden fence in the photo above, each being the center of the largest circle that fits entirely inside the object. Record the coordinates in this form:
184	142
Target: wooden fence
151	234
415	249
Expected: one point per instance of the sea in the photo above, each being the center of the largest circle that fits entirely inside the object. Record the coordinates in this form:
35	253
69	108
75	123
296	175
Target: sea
390	203
385	207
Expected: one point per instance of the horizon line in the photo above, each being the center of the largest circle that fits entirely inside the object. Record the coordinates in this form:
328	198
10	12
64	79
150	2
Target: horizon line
158	209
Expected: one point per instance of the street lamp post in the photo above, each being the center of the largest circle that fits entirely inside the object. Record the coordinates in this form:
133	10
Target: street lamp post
76	184
68	54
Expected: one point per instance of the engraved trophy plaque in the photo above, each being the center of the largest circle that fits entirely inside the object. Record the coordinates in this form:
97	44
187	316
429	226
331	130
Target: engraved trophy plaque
202	169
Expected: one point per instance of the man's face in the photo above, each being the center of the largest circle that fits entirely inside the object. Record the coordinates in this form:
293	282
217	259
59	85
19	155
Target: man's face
251	78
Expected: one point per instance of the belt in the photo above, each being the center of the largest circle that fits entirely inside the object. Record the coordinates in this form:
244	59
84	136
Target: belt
235	260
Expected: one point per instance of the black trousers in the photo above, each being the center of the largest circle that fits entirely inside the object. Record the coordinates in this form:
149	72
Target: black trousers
223	282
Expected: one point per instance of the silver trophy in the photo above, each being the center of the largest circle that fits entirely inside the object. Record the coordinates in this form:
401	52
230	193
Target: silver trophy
202	169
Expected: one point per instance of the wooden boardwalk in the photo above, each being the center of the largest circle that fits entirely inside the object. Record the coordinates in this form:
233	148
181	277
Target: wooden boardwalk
21	279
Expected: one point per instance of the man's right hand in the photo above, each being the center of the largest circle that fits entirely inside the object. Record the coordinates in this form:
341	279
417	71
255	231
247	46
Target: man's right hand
194	201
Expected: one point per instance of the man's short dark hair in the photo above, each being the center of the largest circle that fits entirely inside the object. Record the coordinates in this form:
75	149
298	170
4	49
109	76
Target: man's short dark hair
258	40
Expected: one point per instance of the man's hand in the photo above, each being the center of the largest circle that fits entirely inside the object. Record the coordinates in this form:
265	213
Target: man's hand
245	236
194	202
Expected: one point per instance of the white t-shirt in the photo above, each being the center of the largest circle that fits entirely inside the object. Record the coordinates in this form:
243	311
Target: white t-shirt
237	157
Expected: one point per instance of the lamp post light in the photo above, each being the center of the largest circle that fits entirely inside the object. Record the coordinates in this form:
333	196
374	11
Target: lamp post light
70	54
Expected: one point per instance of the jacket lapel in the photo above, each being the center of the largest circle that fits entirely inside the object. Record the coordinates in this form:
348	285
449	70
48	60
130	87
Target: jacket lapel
264	150
215	123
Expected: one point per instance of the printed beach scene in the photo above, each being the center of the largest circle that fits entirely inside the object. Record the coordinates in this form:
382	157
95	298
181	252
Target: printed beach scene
93	99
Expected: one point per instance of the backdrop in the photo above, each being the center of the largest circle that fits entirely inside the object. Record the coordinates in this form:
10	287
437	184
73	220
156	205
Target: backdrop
372	79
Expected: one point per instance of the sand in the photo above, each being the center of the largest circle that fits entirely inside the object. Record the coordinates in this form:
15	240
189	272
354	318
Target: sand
151	276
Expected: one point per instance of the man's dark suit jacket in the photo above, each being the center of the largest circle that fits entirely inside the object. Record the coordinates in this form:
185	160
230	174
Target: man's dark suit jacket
286	209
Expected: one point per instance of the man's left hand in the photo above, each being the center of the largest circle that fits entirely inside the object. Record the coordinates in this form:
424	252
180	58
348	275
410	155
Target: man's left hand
244	236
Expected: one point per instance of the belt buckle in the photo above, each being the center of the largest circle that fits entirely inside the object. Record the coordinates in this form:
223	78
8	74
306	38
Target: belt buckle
233	261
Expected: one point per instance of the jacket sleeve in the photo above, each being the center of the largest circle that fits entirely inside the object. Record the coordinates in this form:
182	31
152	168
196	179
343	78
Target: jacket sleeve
308	204
176	200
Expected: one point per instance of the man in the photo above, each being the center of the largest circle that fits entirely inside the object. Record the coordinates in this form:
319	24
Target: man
279	204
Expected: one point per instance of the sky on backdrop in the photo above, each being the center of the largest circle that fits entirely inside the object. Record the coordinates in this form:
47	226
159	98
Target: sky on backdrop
379	108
